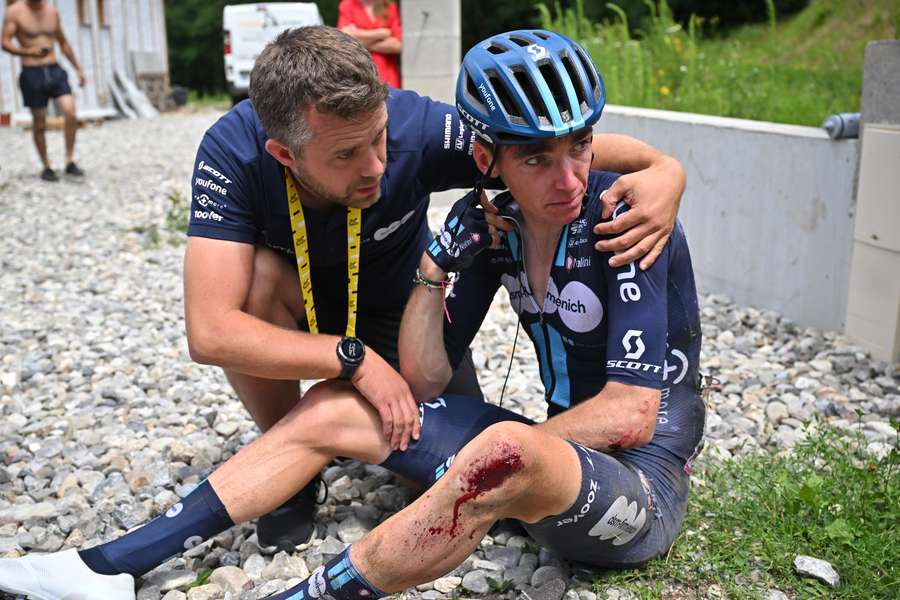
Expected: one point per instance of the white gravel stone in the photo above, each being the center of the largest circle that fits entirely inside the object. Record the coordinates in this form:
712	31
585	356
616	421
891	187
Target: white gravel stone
818	568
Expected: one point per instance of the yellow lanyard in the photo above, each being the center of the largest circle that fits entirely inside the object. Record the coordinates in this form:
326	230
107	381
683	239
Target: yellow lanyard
301	250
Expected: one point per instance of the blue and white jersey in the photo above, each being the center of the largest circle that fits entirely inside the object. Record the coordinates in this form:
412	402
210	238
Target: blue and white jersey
239	195
596	323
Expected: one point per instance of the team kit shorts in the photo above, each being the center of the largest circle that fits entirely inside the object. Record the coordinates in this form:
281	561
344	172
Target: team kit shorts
39	83
631	505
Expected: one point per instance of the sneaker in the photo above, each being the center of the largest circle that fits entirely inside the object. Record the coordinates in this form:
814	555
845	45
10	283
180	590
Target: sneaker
73	171
49	174
293	523
61	575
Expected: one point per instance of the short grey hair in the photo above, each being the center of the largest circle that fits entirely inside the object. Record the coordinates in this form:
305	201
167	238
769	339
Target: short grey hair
307	67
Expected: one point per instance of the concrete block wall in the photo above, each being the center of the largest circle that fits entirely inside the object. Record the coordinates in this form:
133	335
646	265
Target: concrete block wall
431	47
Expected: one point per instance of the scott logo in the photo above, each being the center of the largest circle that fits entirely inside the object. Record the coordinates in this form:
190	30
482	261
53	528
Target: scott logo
633	334
536	52
212	171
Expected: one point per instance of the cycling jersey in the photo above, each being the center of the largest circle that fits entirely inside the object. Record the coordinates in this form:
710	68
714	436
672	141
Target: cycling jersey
596	323
239	195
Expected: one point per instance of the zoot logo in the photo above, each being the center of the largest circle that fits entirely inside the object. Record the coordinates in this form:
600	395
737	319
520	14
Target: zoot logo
585	508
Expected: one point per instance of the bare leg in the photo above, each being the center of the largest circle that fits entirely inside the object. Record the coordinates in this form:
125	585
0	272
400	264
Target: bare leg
509	470
331	420
39	133
67	106
274	297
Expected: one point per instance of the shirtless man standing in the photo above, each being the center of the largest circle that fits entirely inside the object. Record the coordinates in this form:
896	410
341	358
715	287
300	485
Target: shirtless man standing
35	25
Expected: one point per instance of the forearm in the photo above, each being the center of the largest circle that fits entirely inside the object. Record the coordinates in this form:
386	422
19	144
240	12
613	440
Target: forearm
367	36
70	55
624	154
618	418
390	45
240	342
16	50
423	359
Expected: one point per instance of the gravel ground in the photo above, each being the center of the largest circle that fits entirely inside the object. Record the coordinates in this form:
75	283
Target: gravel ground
105	421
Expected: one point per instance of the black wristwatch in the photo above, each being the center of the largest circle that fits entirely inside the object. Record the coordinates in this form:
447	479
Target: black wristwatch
350	351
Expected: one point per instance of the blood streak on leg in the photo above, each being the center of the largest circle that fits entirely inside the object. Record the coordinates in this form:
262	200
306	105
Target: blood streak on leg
486	476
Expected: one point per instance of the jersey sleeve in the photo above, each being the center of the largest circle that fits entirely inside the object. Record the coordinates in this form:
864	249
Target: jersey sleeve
468	303
220	202
637	320
446	149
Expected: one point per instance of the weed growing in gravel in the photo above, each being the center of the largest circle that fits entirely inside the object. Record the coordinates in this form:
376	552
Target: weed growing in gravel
177	213
748	518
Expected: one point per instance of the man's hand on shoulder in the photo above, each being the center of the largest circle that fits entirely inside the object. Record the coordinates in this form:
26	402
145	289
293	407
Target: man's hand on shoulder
653	195
389	393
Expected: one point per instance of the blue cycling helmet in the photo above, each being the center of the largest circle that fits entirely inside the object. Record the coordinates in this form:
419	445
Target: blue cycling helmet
519	86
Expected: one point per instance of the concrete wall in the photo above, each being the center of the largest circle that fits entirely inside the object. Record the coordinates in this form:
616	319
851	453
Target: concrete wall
431	47
100	45
768	210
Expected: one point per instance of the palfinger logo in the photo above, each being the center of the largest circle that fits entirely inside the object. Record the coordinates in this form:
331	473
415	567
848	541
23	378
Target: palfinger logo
620	523
639	344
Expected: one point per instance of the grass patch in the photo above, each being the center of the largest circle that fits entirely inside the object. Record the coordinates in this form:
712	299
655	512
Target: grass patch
748	518
218	101
797	71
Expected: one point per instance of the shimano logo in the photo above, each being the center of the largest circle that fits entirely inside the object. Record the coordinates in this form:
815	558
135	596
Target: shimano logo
487	96
448	130
633	334
211	186
633	365
479	125
215	173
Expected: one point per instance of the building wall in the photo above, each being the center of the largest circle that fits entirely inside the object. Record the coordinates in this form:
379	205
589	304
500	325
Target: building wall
103	40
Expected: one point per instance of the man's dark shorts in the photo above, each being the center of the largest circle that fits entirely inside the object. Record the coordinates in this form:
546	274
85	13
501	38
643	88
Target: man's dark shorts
40	83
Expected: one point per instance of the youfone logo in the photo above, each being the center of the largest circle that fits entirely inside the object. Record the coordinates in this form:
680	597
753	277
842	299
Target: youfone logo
620	523
203	166
211	185
537	52
633	334
487	96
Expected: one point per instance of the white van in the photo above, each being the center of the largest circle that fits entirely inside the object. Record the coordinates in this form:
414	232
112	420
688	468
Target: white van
249	27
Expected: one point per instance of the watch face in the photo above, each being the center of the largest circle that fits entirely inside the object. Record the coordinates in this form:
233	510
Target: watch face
352	349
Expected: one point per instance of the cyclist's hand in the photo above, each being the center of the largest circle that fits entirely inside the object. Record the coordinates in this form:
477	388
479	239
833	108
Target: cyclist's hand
653	195
463	235
389	393
497	225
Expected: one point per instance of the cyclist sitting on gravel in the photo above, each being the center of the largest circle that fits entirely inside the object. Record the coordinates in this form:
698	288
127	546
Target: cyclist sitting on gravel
603	481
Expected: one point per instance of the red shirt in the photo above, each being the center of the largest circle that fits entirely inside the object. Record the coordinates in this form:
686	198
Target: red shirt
351	12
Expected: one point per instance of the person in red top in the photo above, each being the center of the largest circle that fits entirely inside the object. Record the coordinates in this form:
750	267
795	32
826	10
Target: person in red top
375	23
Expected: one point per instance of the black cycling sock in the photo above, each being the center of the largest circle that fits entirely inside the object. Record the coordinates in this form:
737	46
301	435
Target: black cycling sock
199	516
337	579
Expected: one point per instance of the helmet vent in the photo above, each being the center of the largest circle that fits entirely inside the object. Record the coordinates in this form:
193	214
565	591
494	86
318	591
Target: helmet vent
534	99
504	98
520	40
560	98
474	95
589	69
496	48
576	80
541	35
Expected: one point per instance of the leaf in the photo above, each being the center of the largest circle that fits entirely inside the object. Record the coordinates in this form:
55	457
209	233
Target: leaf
839	530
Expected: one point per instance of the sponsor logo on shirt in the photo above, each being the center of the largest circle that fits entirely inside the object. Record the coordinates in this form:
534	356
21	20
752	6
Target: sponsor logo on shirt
448	130
210	185
577	262
579	307
577	241
207	168
633	365
629	291
621	522
520	296
208	215
206	202
382	233
681	366
633	334
585	508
